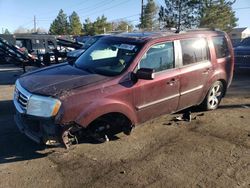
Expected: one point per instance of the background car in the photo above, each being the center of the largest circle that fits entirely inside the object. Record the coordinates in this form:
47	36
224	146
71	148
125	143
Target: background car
242	54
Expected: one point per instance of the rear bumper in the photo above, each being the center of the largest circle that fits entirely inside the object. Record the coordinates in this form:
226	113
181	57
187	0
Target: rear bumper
40	131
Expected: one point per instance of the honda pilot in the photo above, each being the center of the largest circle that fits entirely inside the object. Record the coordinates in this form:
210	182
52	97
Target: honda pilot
121	81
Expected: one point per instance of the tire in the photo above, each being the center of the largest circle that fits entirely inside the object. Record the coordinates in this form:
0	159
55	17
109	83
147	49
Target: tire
213	97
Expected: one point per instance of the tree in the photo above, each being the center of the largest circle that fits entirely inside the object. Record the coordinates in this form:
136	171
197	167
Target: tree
60	25
75	24
21	29
99	26
148	18
7	32
180	13
41	30
122	25
88	27
218	14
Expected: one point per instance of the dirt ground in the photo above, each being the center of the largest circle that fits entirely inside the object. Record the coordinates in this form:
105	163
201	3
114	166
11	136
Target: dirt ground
213	150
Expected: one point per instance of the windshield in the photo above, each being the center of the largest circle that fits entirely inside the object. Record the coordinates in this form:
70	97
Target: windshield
245	42
107	57
90	42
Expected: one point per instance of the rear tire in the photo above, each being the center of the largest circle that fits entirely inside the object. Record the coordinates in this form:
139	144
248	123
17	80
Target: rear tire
213	97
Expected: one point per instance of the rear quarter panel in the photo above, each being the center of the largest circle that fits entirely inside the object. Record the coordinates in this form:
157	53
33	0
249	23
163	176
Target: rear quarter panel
222	67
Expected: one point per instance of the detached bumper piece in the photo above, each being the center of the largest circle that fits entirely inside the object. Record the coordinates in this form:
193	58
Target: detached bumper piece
40	131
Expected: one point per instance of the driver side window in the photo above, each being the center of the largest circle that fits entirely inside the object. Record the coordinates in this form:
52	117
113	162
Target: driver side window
159	57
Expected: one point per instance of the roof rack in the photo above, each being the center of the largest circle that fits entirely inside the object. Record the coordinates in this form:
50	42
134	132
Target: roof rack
200	29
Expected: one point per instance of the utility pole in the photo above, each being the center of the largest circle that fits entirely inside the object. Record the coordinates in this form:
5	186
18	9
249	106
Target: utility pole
179	19
142	13
34	23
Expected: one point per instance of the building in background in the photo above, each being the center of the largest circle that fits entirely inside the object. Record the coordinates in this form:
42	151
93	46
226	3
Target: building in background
237	34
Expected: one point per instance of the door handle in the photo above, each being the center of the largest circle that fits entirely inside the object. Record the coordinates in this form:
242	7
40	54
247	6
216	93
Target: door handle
172	81
206	71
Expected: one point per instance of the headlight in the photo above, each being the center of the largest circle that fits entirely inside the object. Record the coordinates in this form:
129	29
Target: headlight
43	106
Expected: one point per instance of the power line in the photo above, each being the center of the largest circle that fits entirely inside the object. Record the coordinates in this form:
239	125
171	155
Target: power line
107	8
101	4
35	20
241	8
52	11
27	23
97	5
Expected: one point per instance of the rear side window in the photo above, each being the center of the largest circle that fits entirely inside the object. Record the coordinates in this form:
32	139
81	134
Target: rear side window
194	50
221	47
159	57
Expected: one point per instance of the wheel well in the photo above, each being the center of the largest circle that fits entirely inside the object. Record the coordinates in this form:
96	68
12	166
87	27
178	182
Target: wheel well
224	83
115	117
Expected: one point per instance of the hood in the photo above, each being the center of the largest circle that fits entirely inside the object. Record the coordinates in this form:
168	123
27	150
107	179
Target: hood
55	80
242	49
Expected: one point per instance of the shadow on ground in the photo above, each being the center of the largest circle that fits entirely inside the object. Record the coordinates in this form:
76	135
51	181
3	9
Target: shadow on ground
14	146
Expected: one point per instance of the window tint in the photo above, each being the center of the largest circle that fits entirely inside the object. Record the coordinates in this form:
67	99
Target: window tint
221	48
159	57
194	50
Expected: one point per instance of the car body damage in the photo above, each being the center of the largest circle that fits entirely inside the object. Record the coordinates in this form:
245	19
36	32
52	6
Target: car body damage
121	81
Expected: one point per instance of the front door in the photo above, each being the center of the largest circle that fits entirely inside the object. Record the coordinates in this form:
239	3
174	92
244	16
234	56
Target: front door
160	95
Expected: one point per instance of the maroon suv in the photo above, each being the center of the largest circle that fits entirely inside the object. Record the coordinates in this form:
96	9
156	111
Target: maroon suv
121	81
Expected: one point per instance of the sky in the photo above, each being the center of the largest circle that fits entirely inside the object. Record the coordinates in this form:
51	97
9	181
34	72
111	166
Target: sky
16	13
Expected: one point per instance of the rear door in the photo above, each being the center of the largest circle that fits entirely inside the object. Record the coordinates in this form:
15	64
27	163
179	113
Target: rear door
194	71
160	95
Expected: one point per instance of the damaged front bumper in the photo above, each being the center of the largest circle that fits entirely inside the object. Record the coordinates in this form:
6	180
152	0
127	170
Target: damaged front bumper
42	131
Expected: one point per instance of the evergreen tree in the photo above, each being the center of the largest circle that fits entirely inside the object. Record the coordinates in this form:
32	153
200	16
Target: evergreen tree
218	14
101	25
123	26
7	32
88	27
148	19
75	24
60	25
180	13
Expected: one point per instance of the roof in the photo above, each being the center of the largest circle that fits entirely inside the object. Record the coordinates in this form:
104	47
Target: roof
142	36
238	30
158	34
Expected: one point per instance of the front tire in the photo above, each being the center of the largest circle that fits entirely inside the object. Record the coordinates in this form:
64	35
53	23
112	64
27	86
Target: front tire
213	97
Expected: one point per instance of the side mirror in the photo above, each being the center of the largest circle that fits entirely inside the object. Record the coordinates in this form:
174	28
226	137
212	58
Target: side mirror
145	74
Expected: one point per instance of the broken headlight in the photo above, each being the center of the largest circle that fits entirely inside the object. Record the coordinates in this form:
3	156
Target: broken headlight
43	106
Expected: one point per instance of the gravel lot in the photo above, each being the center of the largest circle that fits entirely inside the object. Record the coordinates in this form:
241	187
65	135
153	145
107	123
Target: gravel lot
213	150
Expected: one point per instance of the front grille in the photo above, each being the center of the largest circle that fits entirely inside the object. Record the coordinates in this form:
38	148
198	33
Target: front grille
21	98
